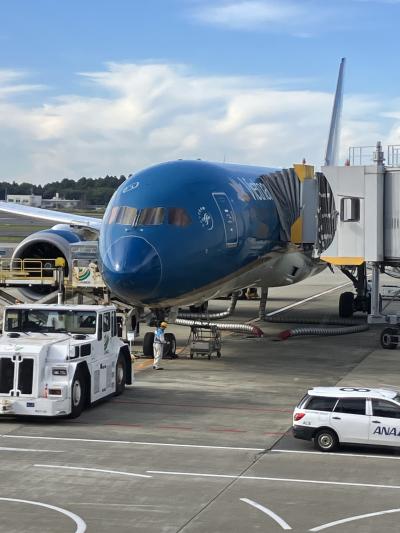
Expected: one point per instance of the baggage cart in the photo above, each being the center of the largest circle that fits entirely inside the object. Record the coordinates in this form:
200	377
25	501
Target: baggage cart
205	340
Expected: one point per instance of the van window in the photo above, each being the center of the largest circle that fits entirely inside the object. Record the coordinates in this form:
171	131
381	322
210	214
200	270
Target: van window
354	406
321	403
177	216
385	409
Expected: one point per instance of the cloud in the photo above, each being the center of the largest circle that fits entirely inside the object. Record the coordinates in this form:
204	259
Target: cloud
269	16
9	85
239	15
148	113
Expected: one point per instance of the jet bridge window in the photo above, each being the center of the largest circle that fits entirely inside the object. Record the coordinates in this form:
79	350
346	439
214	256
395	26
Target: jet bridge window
177	216
350	209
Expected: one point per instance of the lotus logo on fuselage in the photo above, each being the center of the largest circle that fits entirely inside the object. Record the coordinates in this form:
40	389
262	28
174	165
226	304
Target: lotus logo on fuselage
206	220
130	187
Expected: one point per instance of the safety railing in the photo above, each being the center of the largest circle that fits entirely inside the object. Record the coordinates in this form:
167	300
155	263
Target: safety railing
366	155
84	273
28	268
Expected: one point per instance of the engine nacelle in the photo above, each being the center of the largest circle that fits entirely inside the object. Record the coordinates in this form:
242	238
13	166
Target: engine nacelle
49	244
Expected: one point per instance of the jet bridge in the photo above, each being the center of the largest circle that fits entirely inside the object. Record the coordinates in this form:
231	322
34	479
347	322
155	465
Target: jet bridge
366	192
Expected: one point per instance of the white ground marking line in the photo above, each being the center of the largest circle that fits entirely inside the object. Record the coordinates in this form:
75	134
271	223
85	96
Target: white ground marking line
359	517
94	470
325	455
81	525
307	299
4	449
135	442
278	519
279	479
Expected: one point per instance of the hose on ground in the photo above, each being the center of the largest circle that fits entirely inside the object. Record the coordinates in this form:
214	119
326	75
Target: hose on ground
325	332
244	328
328	321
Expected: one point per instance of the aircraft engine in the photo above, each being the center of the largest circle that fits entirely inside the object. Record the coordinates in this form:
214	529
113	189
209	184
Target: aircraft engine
49	244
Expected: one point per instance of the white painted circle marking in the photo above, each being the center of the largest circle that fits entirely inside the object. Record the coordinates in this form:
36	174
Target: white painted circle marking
274	516
81	526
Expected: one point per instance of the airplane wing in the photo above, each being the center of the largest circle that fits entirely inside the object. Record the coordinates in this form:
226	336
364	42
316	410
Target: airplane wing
53	216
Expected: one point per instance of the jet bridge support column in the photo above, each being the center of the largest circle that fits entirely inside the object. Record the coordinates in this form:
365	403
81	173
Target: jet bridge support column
375	313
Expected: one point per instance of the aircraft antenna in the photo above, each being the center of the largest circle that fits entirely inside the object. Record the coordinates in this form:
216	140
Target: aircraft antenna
334	129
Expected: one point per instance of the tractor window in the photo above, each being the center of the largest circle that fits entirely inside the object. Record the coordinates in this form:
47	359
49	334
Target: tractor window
106	322
48	320
100	328
114	324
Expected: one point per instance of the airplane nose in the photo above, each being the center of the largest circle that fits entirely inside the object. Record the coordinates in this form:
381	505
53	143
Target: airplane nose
132	268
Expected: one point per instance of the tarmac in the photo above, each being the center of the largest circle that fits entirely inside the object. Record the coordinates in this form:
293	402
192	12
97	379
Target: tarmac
205	445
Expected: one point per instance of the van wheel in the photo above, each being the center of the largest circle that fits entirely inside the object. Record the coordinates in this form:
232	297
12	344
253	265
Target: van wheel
148	344
326	440
78	394
120	375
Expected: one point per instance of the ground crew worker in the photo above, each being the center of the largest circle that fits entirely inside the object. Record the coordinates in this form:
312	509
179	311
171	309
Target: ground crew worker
158	345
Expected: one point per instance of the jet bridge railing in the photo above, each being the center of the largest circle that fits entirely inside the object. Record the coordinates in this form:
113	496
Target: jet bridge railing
366	155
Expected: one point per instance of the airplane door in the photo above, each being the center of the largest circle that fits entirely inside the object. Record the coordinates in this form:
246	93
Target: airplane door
228	218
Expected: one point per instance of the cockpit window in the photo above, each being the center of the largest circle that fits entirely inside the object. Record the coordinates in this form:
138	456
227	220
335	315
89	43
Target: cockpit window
123	215
127	216
131	216
113	215
151	216
178	216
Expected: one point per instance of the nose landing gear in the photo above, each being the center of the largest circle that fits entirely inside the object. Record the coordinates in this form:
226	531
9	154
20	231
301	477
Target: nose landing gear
349	302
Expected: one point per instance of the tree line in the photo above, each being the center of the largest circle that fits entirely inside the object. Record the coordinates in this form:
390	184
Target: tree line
90	191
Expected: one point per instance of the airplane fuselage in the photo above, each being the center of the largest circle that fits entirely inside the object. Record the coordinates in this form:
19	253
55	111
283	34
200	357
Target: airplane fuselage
185	231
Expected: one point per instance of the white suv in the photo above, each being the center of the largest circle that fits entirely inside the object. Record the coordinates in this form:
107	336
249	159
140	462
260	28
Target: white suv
356	415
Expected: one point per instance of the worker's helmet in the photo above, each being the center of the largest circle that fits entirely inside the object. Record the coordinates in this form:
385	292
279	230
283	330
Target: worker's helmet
163	325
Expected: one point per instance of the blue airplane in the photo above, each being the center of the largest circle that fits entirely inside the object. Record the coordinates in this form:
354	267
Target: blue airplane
183	232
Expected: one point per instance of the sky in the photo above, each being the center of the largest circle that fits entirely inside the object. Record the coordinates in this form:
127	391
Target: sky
96	87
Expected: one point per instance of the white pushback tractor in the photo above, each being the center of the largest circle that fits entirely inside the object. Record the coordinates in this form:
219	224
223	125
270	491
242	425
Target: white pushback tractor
57	359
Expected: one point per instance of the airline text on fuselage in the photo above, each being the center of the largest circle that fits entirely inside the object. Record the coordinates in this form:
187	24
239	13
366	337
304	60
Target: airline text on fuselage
258	191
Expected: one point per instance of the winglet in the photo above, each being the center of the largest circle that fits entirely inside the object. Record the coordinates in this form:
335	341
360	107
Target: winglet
334	130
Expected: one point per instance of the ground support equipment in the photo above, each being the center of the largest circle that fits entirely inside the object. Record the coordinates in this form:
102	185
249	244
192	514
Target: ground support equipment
205	341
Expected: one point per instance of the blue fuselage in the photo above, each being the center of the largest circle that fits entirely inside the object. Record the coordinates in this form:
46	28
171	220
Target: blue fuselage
178	232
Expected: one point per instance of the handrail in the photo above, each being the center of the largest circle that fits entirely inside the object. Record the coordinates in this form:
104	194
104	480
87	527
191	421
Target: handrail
364	155
26	267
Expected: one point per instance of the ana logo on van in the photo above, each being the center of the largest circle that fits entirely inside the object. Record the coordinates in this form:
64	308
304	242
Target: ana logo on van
383	430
